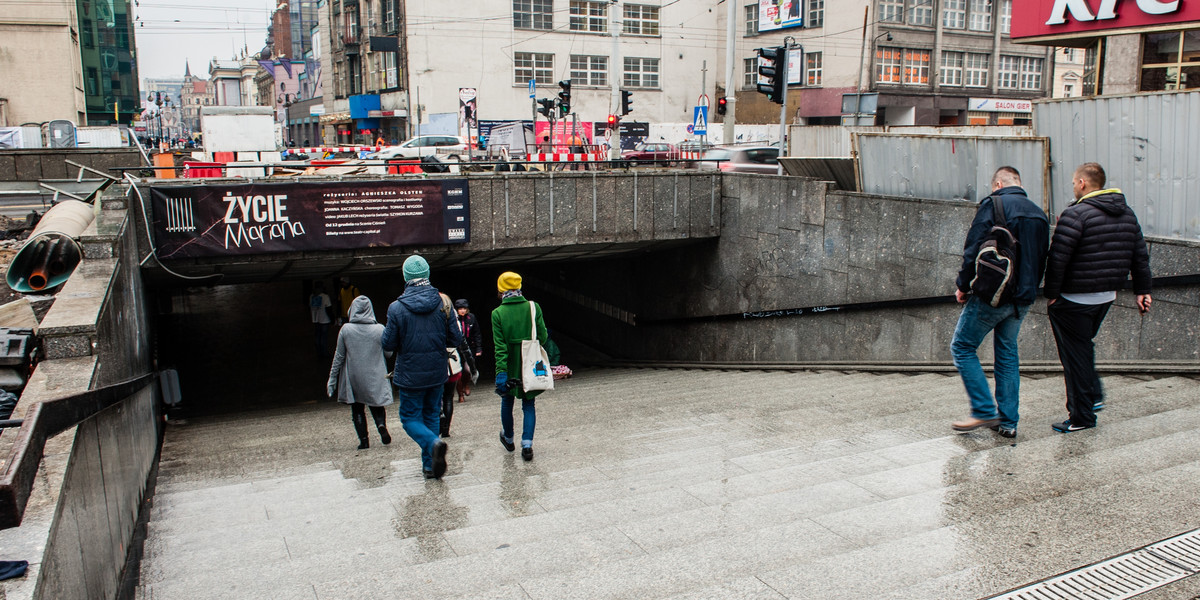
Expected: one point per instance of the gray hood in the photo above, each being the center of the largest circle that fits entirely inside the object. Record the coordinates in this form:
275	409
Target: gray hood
361	311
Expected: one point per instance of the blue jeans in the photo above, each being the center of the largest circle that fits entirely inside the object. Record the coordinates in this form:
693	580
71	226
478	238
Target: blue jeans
506	419
976	320
421	415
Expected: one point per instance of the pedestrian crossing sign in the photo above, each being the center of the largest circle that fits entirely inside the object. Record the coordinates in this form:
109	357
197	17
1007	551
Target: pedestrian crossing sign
700	120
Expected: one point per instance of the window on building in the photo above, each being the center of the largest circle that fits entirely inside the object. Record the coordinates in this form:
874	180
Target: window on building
916	67
890	11
93	81
975	70
981	15
921	13
1068	90
533	14
354	70
888	62
641	19
816	13
88	36
752	19
589	16
750	72
1008	71
952	68
391	70
908	66
1091	66
1170	61
533	65
589	70
978	117
813	66
1070	54
1006	17
641	73
1031	73
954	14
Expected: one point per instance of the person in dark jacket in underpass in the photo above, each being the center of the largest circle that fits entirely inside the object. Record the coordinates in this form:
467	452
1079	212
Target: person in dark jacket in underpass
419	332
1097	244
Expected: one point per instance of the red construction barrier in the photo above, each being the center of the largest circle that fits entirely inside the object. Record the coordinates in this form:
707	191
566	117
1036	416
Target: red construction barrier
193	169
396	167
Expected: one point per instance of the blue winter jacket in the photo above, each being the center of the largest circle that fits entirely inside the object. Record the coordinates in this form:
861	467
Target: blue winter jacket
1028	222
418	332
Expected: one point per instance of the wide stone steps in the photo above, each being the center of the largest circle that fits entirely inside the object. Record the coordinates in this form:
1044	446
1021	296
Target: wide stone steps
692	484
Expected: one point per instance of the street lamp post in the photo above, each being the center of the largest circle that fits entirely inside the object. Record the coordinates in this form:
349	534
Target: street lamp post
862	60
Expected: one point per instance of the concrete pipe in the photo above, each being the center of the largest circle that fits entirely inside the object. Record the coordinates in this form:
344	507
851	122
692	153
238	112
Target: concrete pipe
52	252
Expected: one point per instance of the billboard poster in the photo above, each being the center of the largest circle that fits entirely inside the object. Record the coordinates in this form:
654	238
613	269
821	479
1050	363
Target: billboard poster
566	134
267	218
1034	20
780	14
468	118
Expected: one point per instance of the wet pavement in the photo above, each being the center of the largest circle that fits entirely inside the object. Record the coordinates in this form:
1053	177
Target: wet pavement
676	484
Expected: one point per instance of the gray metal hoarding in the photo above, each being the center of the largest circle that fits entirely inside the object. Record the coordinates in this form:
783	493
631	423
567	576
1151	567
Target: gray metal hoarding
1149	144
947	167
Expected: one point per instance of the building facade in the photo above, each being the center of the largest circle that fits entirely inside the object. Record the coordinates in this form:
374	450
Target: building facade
195	94
916	62
107	44
41	62
233	81
666	54
1146	46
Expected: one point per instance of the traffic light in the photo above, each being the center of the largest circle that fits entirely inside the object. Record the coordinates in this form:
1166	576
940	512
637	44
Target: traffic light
722	105
546	107
774	71
612	121
564	97
626	102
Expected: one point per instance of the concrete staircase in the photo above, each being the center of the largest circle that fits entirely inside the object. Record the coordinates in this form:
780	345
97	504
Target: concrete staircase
677	484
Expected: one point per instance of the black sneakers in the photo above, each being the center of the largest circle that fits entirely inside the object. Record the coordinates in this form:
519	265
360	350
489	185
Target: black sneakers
527	453
1067	427
439	459
507	444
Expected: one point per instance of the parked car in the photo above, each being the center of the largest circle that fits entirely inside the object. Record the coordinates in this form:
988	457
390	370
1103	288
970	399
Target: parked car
425	145
748	159
658	152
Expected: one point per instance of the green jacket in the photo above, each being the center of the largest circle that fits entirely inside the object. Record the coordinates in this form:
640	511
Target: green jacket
510	326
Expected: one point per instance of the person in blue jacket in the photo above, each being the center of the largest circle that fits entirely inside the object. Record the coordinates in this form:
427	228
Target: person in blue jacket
1029	224
419	332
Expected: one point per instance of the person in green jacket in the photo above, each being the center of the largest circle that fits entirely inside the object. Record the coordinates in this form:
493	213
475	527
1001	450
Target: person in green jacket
510	326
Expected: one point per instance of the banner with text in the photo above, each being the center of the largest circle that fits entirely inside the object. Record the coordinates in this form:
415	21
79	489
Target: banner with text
265	218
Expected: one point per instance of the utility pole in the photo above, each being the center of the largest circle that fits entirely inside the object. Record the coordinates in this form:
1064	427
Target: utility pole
614	70
781	68
704	93
730	54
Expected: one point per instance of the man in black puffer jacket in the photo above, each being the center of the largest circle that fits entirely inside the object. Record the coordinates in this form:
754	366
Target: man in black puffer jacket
1097	244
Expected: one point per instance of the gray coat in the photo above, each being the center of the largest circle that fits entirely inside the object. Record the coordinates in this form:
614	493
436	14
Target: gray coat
359	371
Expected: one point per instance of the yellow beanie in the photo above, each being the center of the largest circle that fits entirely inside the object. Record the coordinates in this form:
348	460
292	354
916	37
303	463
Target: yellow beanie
508	281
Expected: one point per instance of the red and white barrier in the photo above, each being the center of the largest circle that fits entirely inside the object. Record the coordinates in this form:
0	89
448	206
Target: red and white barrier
565	157
335	149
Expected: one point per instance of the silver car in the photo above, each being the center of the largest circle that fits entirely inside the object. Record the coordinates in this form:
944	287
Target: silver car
742	159
426	145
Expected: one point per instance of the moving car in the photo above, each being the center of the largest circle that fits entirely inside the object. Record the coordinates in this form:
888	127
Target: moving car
426	145
742	159
661	153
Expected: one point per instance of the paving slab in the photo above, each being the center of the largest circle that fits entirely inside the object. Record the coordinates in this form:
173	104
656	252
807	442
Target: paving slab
672	484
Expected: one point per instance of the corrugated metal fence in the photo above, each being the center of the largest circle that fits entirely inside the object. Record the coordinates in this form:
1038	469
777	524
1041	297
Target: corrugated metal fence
1149	144
948	168
834	141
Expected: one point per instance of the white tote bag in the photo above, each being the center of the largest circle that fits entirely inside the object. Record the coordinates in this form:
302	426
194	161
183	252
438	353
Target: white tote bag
535	363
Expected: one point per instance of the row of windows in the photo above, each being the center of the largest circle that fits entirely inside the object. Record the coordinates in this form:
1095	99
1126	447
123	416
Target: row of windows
972	15
815	15
585	16
911	66
585	70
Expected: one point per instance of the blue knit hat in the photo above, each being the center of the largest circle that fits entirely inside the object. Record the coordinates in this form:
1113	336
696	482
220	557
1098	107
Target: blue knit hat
415	267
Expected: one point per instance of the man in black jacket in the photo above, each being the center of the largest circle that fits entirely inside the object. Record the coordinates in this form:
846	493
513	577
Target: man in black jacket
1097	243
1028	223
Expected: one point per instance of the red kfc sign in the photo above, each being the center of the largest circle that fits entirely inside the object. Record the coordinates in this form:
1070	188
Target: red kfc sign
1043	18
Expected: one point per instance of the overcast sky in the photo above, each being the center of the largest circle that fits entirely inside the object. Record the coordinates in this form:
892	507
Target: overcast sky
172	32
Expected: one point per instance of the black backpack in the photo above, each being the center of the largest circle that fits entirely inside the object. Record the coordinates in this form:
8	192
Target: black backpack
995	279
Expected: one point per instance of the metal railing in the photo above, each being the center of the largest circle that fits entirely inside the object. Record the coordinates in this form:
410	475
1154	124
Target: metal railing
44	421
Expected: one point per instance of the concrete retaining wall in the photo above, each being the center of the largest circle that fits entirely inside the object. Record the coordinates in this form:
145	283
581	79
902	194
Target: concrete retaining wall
48	163
791	243
77	530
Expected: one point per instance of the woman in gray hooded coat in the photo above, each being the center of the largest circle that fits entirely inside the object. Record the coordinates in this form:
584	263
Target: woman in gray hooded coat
359	371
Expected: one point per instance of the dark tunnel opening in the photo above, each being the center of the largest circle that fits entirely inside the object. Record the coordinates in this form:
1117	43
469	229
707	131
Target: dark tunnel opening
252	346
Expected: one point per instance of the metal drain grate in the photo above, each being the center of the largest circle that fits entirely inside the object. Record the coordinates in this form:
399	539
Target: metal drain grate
1124	576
